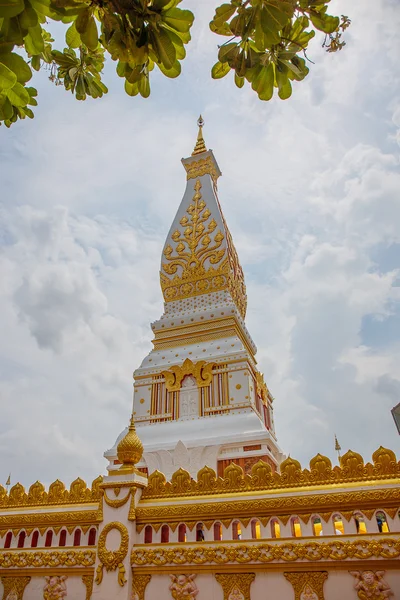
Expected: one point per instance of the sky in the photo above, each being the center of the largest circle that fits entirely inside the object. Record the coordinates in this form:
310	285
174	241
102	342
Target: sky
310	190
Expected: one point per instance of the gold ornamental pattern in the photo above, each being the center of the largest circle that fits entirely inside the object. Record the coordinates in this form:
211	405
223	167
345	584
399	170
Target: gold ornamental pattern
352	469
14	586
139	584
54	558
243	553
112	560
309	584
201	370
199	263
235	584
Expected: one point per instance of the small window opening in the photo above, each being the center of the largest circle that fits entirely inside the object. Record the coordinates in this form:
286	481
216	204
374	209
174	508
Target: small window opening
7	543
164	534
49	539
338	525
275	528
199	532
21	539
382	522
217	532
35	539
296	527
92	537
77	537
255	529
182	533
63	538
148	534
360	523
236	531
317	526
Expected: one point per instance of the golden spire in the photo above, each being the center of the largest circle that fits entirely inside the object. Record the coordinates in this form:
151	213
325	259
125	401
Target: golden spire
200	145
130	448
337	446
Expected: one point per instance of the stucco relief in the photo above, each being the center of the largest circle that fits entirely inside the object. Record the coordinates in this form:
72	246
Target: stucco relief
55	588
189	398
181	457
308	594
183	587
371	586
13	587
236	594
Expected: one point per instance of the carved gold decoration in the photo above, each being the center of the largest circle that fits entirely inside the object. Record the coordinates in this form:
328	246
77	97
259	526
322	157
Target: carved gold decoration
370	585
88	583
112	559
55	588
53	558
118	502
236	585
183	587
44	520
201	370
203	166
130	448
139	584
308	585
291	475
200	145
261	388
14	587
78	493
312	551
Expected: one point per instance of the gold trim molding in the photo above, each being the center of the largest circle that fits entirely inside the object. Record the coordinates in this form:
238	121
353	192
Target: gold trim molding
54	558
289	552
50	519
78	493
310	583
352	469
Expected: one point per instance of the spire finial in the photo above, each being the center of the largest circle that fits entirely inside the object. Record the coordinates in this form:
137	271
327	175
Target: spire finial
130	448
200	145
337	447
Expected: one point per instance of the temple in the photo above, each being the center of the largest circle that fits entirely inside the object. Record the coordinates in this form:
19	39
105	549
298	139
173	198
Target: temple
198	500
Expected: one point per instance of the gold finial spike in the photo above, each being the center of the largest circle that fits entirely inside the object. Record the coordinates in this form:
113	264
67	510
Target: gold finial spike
200	145
337	446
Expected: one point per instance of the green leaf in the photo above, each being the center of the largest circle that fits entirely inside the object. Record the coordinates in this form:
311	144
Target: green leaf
17	95
144	86
131	88
35	62
7	78
219	70
11	8
239	81
163	47
6	108
16	63
178	19
28	18
223	13
34	43
90	37
223	29
175	71
72	37
82	21
263	84
325	23
228	52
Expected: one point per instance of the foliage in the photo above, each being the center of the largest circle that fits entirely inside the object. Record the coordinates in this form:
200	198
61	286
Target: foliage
266	38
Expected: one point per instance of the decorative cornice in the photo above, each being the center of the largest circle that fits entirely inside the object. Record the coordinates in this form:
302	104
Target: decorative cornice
245	553
291	476
52	558
57	494
200	167
322	504
50	519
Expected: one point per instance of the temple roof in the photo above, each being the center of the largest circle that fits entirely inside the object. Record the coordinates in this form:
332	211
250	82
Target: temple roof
199	256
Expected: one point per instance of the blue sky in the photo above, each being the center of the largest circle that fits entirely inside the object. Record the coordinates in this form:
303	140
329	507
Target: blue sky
310	190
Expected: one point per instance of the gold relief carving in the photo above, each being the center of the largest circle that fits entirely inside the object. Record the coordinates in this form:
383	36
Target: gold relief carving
308	585
118	502
292	475
202	372
261	388
368	513
312	551
54	558
112	559
198	168
183	587
88	583
370	585
392	512
43	520
14	587
236	586
55	588
78	493
272	506
139	584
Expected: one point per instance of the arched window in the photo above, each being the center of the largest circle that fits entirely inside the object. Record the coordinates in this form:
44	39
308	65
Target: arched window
92	537
164	534
199	532
49	539
148	534
77	537
255	529
21	539
182	533
360	523
236	531
295	527
338	524
317	526
382	522
217	532
7	542
63	538
35	539
275	528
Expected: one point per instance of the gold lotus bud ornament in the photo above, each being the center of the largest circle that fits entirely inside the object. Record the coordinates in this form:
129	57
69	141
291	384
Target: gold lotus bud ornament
130	448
